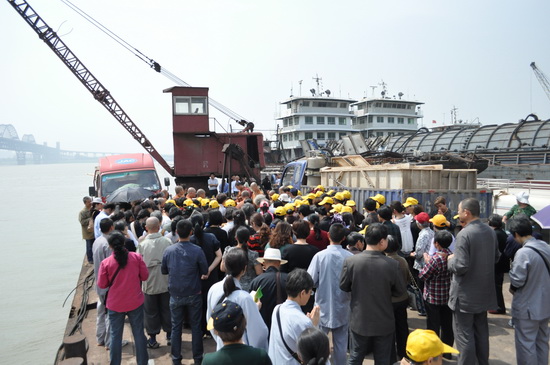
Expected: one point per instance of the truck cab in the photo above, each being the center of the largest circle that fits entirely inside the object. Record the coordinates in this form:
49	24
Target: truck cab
128	170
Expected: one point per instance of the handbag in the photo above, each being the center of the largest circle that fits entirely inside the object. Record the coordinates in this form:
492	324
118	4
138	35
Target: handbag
416	301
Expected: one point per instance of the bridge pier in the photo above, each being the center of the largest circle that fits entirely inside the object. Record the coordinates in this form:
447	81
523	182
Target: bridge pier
21	157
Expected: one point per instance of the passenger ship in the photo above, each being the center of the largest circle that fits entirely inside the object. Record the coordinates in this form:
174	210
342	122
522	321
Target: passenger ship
322	117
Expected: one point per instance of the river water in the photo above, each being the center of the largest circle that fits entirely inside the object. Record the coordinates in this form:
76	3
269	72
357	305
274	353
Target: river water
42	254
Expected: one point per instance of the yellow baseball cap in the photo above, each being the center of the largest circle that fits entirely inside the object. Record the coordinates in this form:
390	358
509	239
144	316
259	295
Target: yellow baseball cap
350	203
410	201
280	211
440	221
379	198
318	193
326	200
204	202
346	209
230	203
310	196
275	197
336	208
423	344
347	194
339	196
289	206
214	204
331	192
320	187
188	202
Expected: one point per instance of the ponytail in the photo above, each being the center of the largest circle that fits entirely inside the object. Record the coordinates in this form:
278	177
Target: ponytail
235	263
265	235
116	241
198	231
314	219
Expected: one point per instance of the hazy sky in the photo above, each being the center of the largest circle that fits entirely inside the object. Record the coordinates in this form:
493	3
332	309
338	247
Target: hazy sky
474	55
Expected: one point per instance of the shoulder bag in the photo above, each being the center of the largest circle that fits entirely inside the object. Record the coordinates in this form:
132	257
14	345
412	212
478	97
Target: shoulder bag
110	284
292	353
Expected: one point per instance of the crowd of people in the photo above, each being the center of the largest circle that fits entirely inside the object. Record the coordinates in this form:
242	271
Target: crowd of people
268	274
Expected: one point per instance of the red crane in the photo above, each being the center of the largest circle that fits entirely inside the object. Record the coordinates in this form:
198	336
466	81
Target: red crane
98	91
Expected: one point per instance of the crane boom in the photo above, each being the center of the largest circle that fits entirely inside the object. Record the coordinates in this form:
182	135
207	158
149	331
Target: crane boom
542	79
98	91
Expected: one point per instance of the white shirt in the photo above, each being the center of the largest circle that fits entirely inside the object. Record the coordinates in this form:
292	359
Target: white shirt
256	331
293	323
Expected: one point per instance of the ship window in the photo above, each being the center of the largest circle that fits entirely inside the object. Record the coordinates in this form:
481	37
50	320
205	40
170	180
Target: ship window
296	136
370	119
342	121
320	135
290	137
305	103
343	105
309	120
331	120
308	135
379	119
285	122
379	134
320	120
360	106
296	121
411	120
361	120
331	135
391	120
400	120
378	105
187	105
285	138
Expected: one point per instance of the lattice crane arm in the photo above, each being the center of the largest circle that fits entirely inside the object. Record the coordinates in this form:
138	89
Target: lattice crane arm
98	91
542	79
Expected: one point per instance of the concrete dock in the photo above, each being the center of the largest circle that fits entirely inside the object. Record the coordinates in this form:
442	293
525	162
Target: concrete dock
502	349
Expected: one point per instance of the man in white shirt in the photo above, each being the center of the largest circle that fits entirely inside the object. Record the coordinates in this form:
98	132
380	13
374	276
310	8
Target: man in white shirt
288	321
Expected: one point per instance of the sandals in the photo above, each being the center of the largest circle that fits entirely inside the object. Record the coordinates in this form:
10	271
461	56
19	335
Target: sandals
152	344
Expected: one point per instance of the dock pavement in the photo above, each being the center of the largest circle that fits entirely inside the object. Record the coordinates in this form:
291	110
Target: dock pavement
502	351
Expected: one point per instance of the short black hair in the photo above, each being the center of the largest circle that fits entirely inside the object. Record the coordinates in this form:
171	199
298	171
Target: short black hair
337	232
397	206
304	210
495	220
521	225
375	233
300	229
105	225
353	237
472	205
184	228
298	280
444	238
393	244
215	217
385	212
370	204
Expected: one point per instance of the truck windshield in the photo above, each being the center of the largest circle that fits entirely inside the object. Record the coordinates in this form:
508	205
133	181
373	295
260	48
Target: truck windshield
146	179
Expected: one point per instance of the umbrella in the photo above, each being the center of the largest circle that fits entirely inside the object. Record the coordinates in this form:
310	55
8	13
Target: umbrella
542	217
128	194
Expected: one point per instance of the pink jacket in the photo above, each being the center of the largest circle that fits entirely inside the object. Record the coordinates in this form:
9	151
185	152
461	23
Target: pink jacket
125	294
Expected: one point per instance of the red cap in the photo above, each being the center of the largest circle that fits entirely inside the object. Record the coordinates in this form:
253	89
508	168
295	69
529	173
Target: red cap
422	217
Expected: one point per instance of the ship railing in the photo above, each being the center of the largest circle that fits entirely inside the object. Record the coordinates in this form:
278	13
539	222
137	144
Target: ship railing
507	184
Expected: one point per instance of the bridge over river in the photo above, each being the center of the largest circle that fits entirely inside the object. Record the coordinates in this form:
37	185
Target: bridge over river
26	147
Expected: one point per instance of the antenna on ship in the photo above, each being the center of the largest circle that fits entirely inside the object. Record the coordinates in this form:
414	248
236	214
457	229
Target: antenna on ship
300	82
317	79
384	90
373	88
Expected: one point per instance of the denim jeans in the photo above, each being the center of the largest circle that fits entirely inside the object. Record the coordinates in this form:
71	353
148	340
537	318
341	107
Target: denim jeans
89	254
177	306
117	327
